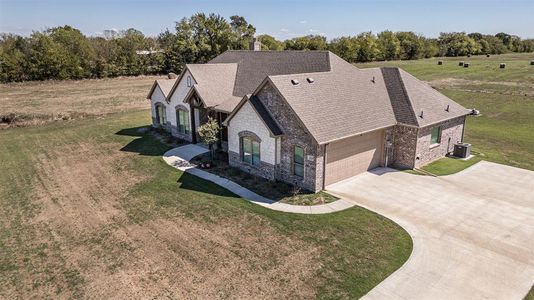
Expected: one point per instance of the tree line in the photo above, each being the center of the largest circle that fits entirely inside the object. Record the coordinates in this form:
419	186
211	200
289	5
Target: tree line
65	53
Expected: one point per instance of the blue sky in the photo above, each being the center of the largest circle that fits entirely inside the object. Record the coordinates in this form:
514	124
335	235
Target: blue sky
282	19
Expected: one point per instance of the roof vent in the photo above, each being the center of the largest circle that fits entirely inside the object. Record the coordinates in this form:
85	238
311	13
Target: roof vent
421	115
295	82
448	107
373	80
310	80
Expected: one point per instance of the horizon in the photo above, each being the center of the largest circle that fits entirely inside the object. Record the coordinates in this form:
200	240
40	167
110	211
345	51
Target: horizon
282	20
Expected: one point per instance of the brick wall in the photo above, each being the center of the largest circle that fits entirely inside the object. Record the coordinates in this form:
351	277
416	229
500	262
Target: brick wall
404	145
451	133
294	134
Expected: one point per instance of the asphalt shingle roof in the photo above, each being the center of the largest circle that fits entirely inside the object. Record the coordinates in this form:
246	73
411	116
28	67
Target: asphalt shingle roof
254	66
340	103
215	82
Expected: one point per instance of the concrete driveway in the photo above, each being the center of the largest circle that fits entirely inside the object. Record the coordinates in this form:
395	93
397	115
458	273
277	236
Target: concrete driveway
473	232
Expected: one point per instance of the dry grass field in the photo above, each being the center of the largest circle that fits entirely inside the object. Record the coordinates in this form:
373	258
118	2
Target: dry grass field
34	103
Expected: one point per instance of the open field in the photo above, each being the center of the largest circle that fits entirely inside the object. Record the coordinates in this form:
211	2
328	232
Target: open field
88	209
505	97
35	103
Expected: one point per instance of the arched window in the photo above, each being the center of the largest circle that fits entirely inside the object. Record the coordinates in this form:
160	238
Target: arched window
250	147
161	116
182	120
188	81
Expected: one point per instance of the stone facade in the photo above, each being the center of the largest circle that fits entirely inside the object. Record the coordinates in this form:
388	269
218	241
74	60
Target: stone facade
451	133
404	145
412	148
294	135
264	170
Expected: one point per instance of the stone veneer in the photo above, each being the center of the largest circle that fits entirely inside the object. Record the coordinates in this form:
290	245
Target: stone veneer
294	135
411	146
451	133
264	170
404	141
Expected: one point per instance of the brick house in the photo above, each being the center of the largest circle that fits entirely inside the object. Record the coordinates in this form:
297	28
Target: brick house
309	117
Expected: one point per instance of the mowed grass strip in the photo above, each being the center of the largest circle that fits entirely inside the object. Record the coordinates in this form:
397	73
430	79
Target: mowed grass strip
505	97
90	210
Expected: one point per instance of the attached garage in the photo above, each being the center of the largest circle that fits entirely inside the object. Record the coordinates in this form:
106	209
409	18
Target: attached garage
354	155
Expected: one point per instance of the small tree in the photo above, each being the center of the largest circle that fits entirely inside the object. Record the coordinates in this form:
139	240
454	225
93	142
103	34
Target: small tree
209	134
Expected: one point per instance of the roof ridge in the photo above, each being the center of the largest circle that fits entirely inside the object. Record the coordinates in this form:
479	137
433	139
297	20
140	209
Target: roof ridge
406	97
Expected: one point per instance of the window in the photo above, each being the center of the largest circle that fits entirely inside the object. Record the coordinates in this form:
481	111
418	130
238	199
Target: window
250	151
188	81
298	161
182	121
160	114
435	136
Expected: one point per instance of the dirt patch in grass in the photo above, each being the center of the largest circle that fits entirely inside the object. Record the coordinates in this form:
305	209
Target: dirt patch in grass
239	258
81	190
79	186
274	190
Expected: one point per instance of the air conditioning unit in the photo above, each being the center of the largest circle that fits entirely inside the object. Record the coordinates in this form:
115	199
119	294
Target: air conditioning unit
462	150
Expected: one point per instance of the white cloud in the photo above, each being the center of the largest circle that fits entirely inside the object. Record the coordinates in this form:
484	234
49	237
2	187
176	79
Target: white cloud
303	22
313	30
284	30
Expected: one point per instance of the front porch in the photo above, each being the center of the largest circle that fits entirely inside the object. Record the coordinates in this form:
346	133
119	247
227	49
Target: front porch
200	114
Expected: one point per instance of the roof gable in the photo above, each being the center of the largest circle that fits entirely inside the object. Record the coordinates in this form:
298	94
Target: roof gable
427	105
261	111
165	85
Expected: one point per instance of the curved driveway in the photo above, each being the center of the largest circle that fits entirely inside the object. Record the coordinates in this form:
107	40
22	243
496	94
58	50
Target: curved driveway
473	232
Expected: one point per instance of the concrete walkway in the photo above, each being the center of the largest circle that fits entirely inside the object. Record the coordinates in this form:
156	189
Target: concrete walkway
180	158
473	232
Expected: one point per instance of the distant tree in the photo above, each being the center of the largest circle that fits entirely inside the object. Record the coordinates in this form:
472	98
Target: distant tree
46	58
309	42
243	32
79	54
410	45
388	45
429	47
457	44
270	43
367	47
209	134
345	47
13	62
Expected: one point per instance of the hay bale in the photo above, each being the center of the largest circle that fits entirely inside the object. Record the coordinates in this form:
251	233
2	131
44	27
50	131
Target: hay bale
532	62
487	55
172	76
440	62
468	55
502	66
461	64
466	65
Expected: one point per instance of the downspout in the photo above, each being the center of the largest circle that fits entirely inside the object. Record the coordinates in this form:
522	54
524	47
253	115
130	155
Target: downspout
324	166
415	154
463	129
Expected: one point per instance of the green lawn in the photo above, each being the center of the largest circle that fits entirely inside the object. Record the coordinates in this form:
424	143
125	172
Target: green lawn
505	97
447	165
88	209
530	295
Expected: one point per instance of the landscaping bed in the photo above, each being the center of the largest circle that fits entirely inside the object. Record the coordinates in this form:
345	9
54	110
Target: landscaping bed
274	190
